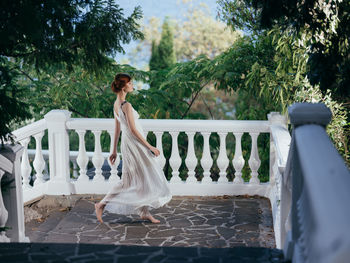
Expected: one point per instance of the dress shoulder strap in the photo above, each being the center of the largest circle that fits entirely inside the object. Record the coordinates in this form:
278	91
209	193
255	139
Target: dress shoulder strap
121	105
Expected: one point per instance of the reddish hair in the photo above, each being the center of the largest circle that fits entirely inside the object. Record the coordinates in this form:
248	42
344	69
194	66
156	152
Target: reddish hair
120	81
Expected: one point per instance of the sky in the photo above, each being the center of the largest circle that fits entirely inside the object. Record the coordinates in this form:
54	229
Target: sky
160	9
163	8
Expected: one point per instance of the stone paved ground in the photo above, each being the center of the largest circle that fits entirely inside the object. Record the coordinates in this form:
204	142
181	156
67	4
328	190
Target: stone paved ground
192	229
185	221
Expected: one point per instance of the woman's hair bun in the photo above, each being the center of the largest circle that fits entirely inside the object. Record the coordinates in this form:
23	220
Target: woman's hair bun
120	81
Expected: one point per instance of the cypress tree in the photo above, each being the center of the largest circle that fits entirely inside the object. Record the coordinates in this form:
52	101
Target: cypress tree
166	47
154	61
163	55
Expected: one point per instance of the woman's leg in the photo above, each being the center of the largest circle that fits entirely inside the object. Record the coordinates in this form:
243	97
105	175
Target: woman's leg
145	214
109	196
99	210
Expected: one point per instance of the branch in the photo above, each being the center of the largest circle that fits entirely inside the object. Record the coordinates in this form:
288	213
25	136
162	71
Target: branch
23	72
205	103
19	54
77	112
190	105
26	74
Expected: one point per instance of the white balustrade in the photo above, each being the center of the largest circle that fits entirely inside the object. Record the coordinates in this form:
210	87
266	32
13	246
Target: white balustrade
82	159
222	160
207	160
175	159
254	160
191	159
39	162
26	169
59	123
238	161
98	158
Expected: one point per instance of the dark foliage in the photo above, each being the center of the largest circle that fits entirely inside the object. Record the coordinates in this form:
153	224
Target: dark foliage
329	60
67	33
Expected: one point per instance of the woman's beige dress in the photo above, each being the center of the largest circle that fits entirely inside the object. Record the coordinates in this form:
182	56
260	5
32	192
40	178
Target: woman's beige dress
143	185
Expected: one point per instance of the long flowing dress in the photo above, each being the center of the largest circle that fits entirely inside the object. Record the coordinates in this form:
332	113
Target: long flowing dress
143	185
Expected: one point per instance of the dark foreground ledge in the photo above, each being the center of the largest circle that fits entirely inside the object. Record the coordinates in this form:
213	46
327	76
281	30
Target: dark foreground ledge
63	252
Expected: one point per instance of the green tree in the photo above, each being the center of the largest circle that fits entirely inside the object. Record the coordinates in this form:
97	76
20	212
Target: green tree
154	61
165	53
324	28
283	69
63	33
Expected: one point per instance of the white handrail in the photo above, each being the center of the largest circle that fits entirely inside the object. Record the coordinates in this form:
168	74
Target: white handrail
30	129
319	207
175	125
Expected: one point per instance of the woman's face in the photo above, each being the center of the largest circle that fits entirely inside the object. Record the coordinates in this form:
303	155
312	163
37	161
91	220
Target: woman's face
129	87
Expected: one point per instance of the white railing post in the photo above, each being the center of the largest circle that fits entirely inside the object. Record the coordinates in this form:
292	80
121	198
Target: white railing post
238	161
82	158
26	169
191	159
59	182
97	158
175	159
39	162
206	160
13	198
222	160
5	166
254	160
114	171
279	147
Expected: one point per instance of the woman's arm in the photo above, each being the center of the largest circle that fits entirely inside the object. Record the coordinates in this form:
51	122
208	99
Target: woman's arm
131	122
116	134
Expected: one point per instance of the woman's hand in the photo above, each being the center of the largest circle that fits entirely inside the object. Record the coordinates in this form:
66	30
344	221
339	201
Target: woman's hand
113	157
155	150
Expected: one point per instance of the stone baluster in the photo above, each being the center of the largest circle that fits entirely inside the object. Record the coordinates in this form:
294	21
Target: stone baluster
82	159
39	162
3	211
207	160
97	158
191	159
238	161
13	196
26	169
254	161
114	171
222	160
175	159
161	159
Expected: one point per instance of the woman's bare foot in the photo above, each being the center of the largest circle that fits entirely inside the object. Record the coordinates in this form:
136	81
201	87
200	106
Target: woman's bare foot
151	218
99	210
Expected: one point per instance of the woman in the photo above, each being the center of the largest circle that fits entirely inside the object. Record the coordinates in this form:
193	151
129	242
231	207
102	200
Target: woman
143	185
